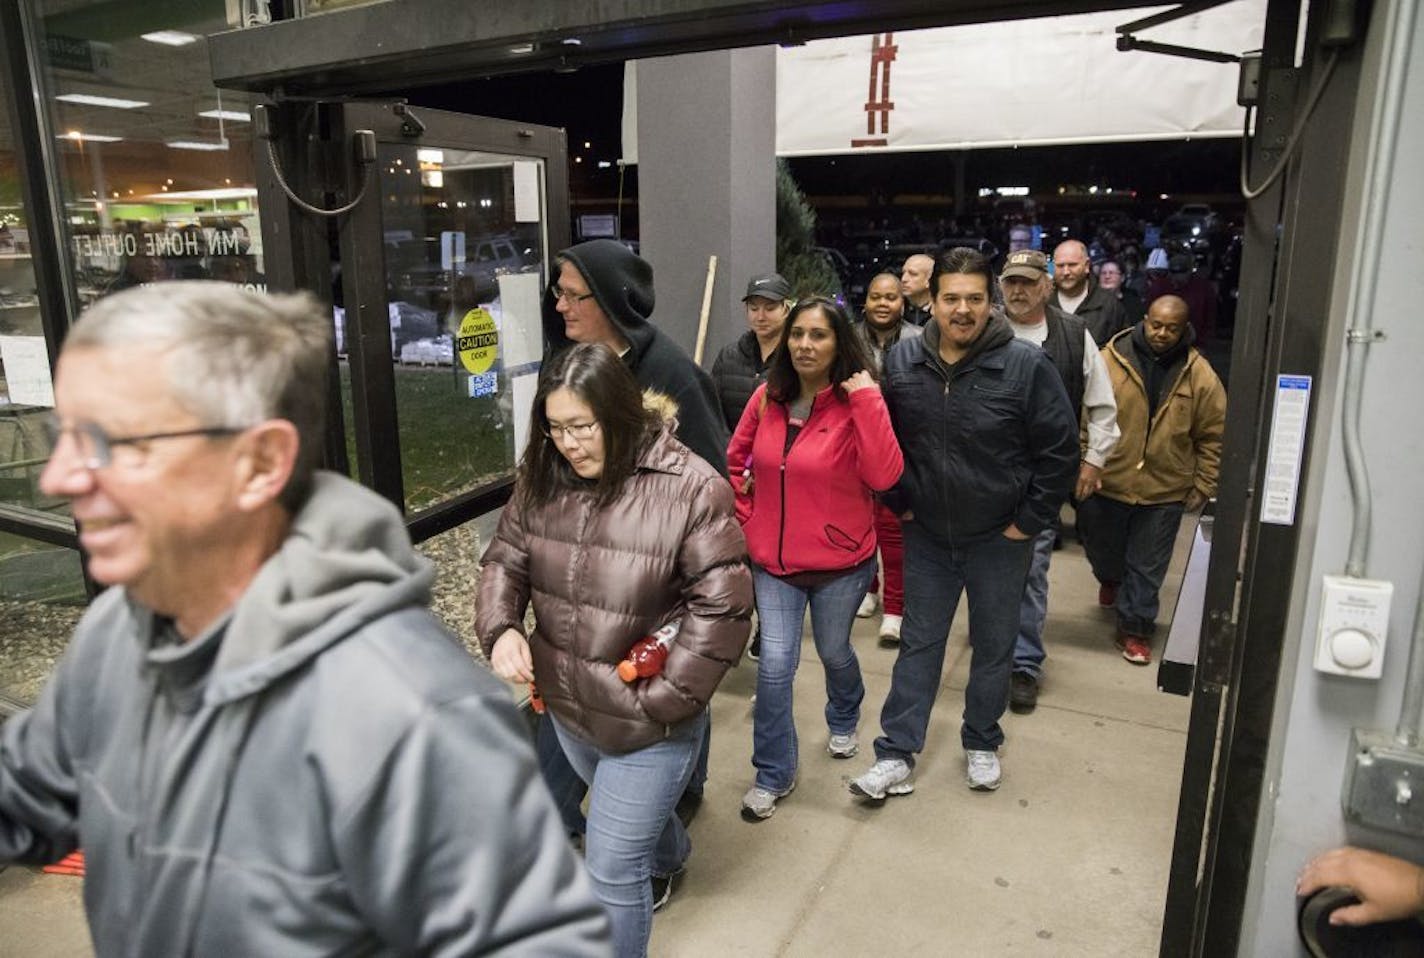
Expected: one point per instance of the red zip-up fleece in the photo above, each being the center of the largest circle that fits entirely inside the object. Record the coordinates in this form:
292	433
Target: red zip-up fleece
813	509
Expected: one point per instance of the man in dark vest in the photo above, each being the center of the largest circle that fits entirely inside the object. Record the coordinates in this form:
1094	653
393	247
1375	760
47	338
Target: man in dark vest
1076	292
1070	345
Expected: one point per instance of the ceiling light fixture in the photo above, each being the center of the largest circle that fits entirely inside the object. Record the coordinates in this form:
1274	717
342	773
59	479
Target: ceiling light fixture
170	38
77	137
220	114
87	99
197	145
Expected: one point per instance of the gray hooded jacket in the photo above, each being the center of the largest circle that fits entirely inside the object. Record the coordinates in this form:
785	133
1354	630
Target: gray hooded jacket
325	771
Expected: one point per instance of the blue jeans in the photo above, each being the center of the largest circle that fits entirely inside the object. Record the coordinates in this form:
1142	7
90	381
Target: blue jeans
781	608
632	831
1131	545
1033	609
992	574
568	789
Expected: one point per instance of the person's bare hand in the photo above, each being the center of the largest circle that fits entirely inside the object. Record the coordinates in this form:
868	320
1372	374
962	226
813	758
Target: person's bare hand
510	657
1015	533
1088	481
860	380
1388	888
1194	501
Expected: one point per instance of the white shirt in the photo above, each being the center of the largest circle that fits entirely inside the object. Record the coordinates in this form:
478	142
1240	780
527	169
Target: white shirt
1098	401
1071	305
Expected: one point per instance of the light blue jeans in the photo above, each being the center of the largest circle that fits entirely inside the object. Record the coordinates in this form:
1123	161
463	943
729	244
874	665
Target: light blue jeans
632	831
781	608
1033	610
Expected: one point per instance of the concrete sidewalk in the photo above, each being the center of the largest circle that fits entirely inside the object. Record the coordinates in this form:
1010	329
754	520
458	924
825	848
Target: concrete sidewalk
1069	857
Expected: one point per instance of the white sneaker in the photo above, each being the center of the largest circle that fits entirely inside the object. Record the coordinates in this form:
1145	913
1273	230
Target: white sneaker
843	746
759	803
889	776
984	773
868	606
890	629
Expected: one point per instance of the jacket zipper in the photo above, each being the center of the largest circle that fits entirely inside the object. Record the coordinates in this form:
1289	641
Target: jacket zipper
944	446
1161	411
786	451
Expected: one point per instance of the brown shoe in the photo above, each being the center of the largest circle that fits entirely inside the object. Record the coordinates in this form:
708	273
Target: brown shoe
1107	594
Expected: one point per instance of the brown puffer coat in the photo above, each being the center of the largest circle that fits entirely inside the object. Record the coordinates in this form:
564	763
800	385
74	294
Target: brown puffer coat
669	547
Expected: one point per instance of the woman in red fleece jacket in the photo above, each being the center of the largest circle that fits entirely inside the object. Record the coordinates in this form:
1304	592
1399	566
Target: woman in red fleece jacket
813	446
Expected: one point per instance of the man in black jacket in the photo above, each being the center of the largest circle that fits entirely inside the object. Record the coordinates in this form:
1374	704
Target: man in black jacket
604	294
991	451
1076	292
915	287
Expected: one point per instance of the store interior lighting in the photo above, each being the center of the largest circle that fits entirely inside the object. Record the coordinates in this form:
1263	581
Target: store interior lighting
77	136
240	116
170	38
206	145
90	99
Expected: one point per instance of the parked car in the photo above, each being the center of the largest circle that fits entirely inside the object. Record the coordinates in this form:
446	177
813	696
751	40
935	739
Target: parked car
414	274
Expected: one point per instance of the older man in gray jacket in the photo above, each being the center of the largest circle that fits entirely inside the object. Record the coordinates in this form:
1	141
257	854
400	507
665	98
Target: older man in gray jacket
260	737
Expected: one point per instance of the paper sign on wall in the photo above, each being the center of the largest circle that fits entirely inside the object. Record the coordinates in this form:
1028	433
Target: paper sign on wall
526	191
1289	420
27	370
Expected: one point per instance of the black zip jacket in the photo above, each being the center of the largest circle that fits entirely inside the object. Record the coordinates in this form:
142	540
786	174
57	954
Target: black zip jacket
991	441
737	372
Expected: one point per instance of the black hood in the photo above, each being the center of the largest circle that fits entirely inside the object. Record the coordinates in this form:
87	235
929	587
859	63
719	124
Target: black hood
622	285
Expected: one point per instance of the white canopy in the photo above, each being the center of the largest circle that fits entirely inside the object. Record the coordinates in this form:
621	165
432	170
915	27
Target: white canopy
1015	83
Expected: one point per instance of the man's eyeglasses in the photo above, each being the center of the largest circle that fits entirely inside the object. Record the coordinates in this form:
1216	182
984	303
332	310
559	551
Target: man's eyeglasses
582	431
573	299
96	447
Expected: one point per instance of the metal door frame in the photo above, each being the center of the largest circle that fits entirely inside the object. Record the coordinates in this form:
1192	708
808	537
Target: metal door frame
298	246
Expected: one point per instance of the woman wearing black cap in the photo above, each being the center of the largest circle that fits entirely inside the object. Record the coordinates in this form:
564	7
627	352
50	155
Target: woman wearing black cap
741	366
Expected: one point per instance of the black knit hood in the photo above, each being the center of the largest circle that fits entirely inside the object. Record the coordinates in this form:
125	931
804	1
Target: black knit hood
622	285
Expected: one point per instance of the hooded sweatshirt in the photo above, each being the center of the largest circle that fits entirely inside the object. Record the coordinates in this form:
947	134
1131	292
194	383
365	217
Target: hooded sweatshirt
323	771
622	285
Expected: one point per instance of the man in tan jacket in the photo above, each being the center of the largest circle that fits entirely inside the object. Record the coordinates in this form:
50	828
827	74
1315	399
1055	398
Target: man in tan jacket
1171	409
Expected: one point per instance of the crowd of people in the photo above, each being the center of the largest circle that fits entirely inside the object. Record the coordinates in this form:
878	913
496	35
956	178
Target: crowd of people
266	643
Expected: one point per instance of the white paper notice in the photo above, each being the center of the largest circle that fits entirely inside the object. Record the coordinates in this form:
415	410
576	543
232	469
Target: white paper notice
521	328
1288	424
27	370
526	191
524	387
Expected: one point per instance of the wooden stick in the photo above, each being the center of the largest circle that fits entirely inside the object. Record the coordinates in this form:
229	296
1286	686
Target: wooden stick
706	310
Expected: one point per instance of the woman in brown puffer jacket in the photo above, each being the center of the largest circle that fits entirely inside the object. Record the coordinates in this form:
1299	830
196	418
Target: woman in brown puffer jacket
614	530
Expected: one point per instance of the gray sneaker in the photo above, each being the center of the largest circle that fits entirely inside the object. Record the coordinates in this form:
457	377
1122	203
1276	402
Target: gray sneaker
984	773
843	746
759	803
888	776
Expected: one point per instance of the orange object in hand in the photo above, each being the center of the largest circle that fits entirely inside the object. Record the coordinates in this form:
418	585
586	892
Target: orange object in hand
645	659
536	701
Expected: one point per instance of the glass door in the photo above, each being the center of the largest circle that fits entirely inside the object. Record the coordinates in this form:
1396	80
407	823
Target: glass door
443	267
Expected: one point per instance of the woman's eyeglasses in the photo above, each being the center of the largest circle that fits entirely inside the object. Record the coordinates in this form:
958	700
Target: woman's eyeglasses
581	431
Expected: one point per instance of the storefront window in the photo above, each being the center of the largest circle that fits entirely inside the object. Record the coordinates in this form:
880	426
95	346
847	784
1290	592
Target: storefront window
41	587
155	163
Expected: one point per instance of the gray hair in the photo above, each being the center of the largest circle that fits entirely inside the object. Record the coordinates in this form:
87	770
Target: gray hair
235	356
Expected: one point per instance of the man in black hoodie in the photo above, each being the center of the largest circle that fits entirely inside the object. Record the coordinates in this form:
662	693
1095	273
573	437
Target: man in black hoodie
604	294
990	440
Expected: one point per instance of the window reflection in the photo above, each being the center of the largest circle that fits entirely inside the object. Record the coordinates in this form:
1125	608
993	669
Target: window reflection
155	164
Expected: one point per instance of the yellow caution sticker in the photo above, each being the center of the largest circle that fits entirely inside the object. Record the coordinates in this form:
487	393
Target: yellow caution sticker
477	341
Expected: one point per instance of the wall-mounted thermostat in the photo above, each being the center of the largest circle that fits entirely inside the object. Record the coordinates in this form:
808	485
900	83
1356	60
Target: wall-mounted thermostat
1354	618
